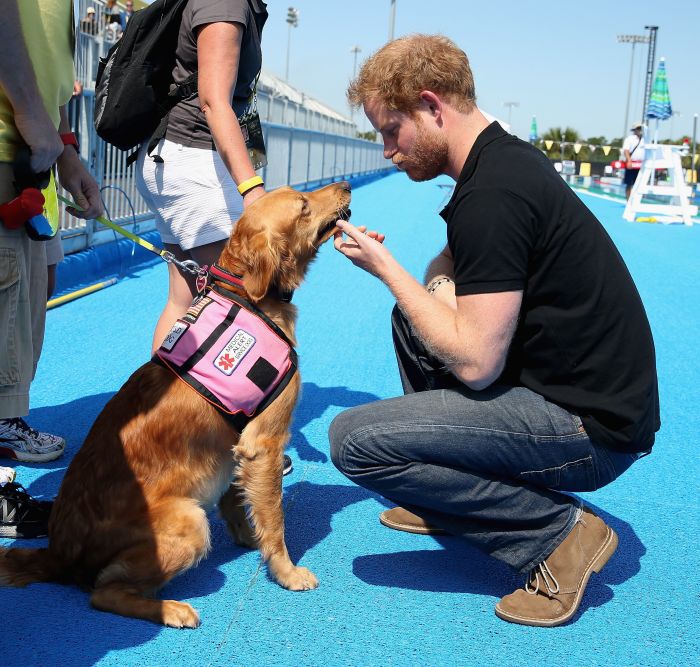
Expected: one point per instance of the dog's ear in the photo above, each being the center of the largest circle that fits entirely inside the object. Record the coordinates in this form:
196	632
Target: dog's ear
259	264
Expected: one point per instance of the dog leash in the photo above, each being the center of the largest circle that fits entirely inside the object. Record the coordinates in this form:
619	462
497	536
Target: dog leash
202	273
187	265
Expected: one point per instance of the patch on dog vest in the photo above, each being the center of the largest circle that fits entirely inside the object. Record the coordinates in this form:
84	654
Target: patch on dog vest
230	353
173	336
235	350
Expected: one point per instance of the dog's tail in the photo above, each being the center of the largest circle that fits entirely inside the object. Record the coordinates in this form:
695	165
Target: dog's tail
19	567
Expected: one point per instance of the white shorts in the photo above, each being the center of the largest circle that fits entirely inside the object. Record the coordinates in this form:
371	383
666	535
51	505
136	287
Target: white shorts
191	193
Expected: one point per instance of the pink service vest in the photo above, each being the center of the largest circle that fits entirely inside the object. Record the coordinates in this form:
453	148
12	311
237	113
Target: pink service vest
230	353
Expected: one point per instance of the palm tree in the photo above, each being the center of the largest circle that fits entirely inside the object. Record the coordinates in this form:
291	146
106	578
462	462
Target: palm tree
568	135
597	154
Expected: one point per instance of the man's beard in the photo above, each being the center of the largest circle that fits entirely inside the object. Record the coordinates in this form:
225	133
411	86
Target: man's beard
428	157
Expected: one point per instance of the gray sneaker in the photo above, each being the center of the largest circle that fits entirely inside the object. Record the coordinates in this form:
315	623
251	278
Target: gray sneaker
21	442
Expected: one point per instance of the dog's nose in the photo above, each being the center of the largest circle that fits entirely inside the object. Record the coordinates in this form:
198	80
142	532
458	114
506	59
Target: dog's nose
345	185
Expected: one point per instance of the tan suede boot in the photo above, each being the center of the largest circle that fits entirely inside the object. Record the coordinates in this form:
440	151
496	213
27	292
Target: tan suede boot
553	590
400	519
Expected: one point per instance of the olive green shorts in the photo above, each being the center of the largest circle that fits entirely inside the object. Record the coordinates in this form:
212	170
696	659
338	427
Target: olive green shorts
22	309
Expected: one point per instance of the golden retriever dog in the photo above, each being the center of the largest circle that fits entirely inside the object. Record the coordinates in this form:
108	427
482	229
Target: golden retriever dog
131	511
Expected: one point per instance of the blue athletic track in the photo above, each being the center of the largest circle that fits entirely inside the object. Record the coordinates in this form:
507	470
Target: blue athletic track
385	597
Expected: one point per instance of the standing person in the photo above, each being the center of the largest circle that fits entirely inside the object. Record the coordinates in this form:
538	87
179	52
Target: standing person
88	24
527	363
126	14
633	154
200	178
36	82
190	180
112	13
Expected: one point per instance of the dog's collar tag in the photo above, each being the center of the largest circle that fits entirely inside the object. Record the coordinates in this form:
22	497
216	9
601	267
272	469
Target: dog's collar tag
202	279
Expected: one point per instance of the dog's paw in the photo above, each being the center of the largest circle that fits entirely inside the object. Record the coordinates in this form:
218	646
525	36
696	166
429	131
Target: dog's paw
299	579
179	615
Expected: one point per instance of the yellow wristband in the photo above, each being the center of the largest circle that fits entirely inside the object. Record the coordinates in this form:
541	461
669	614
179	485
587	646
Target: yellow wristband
249	184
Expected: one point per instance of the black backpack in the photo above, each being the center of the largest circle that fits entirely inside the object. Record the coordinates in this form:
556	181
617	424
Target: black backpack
133	93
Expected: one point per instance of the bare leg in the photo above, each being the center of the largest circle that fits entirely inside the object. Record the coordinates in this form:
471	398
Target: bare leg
51	280
182	288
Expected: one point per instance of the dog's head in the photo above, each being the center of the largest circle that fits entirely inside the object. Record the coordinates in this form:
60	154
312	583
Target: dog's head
275	240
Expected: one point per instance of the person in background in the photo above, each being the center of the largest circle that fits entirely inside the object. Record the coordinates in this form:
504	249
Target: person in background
632	155
75	109
112	13
526	357
88	24
36	82
125	15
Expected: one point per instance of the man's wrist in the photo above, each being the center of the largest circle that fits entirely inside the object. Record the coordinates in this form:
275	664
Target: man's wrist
69	139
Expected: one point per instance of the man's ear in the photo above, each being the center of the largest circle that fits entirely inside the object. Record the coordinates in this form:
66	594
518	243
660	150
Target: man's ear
259	265
431	102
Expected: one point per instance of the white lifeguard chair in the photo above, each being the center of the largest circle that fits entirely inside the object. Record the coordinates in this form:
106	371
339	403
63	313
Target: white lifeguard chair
677	207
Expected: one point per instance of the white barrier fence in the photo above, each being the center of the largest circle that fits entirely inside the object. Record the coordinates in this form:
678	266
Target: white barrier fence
300	157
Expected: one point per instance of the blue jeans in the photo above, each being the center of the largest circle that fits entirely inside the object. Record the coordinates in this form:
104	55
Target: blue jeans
489	466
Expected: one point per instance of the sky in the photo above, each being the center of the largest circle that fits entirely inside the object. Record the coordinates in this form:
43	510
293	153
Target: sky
559	60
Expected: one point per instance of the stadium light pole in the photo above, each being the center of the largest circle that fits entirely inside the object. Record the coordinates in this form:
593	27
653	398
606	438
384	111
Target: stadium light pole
293	21
693	179
354	50
651	57
510	106
561	147
674	114
392	19
633	40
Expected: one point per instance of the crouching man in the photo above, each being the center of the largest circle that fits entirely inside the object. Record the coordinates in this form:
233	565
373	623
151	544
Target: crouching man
526	358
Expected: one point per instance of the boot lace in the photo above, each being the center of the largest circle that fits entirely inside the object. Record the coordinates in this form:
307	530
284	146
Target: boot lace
541	573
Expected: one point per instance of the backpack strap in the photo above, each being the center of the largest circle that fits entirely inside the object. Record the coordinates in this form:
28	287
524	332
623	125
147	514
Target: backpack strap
178	92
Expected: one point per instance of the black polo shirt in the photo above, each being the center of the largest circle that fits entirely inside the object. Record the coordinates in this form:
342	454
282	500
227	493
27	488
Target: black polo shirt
583	340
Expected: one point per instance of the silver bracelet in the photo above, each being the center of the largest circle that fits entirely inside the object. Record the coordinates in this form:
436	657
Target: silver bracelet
434	284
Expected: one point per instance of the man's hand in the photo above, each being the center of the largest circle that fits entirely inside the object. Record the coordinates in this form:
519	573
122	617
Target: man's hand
19	86
363	248
38	131
75	178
